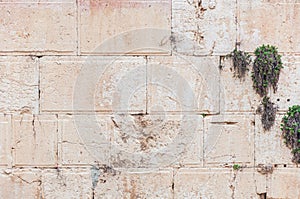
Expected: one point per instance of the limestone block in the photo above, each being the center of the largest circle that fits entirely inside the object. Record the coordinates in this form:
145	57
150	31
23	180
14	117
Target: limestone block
183	84
269	145
105	84
18	84
284	183
236	95
84	139
269	22
35	140
203	27
125	27
67	183
135	184
156	141
5	140
34	27
228	139
202	183
20	184
288	84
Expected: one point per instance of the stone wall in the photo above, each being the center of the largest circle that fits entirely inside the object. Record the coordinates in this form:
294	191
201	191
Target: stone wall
127	99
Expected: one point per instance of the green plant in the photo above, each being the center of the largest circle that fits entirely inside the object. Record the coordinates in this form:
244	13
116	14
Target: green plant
290	127
241	61
266	69
236	167
268	113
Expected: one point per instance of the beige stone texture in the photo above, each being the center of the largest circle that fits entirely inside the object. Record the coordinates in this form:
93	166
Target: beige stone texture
269	145
38	27
19	184
284	183
125	27
156	141
35	140
104	84
183	84
273	22
135	184
84	141
228	139
18	84
237	95
5	140
203	27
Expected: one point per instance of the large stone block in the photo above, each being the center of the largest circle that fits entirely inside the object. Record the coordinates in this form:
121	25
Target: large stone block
273	22
203	27
134	184
237	95
284	183
269	145
104	84
84	139
125	27
288	84
156	141
67	183
35	140
18	85
20	184
34	27
183	84
5	140
202	183
229	139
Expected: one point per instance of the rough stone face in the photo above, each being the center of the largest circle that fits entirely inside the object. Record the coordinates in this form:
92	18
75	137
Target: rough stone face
5	140
18	85
269	22
134	184
124	27
20	184
84	141
67	183
229	139
35	140
183	84
34	27
203	27
237	95
269	145
105	84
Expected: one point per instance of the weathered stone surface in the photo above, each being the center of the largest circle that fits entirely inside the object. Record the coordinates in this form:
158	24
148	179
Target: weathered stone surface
269	22
156	141
183	84
288	83
284	183
20	184
18	84
269	145
237	95
105	84
203	27
228	139
125	27
34	27
35	140
67	183
5	140
84	139
202	183
134	184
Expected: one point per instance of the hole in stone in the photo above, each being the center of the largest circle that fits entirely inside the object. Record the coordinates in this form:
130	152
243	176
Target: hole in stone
288	100
278	100
284	165
262	195
275	165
